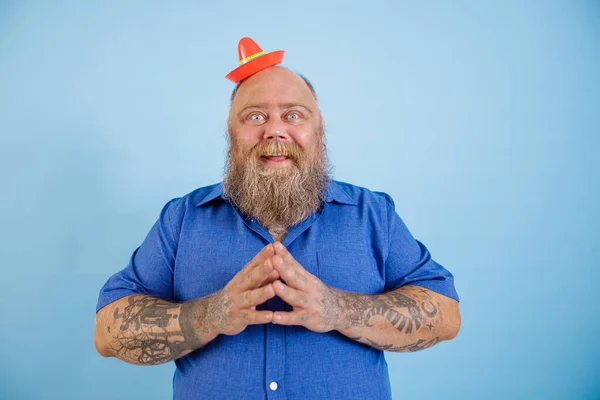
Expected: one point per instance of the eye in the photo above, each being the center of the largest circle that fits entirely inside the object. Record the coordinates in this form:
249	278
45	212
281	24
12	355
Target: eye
293	116
255	118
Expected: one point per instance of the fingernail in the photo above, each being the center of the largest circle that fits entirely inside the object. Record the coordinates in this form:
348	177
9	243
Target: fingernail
278	318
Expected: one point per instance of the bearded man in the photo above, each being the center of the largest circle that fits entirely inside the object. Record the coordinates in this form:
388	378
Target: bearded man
279	282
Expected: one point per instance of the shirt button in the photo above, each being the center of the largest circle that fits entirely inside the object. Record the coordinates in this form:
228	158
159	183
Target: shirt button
273	385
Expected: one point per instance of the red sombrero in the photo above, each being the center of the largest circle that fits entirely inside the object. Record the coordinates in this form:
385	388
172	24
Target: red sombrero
253	59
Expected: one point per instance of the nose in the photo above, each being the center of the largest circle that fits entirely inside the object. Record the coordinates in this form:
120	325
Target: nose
276	130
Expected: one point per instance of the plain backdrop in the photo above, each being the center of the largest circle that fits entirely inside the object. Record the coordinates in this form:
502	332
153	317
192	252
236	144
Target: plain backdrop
480	118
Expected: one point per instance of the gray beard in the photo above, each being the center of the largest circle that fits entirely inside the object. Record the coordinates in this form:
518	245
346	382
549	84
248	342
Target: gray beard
277	197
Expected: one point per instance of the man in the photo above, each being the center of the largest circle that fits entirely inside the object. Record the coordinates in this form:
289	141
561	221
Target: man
279	283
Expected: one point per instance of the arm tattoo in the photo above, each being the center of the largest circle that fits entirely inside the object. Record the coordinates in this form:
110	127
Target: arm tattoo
411	311
148	333
420	344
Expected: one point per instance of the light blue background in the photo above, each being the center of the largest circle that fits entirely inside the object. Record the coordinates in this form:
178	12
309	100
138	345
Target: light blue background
481	119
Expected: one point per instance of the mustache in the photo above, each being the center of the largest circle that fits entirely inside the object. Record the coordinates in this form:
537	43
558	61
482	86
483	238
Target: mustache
290	150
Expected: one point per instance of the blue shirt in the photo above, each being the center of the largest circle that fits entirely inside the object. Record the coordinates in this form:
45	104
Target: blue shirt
355	242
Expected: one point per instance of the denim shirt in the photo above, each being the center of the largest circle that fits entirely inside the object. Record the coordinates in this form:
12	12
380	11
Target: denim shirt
355	242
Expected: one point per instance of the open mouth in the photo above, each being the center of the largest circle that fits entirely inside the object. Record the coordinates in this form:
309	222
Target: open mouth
275	158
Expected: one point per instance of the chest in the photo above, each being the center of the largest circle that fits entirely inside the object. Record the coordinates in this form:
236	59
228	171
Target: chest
210	255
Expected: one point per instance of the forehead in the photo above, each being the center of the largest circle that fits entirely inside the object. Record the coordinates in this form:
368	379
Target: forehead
273	85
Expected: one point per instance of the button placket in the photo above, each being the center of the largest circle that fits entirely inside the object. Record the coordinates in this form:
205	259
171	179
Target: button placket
275	352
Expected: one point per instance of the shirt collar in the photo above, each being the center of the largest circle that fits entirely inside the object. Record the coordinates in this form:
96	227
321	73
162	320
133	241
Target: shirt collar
215	193
334	193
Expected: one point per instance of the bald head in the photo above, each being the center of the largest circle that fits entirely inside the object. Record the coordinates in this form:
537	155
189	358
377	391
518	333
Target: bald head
305	79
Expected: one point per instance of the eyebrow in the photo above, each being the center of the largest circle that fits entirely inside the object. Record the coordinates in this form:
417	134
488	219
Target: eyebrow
268	105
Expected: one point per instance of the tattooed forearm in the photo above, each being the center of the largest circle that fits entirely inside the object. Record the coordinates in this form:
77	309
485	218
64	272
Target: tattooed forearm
420	344
403	312
146	330
407	319
149	331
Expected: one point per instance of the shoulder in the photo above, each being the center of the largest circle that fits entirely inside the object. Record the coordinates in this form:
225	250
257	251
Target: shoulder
199	196
174	211
359	195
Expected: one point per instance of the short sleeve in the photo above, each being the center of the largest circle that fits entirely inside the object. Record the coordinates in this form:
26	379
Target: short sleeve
150	268
409	262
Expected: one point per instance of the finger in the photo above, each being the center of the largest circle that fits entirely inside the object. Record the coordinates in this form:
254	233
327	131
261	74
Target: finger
293	297
254	297
260	274
257	317
255	273
291	318
290	275
259	259
281	250
272	277
289	258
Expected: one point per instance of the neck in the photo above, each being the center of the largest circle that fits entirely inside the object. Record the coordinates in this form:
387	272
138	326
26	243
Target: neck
277	232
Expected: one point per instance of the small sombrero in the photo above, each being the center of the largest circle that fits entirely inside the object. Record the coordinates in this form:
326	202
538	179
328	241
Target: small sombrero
252	60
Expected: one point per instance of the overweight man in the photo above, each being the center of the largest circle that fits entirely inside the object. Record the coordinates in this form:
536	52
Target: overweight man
279	282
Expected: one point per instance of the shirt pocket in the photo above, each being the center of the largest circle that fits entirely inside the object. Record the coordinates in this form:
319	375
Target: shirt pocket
353	271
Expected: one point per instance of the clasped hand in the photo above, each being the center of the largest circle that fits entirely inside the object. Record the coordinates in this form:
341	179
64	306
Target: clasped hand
313	302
